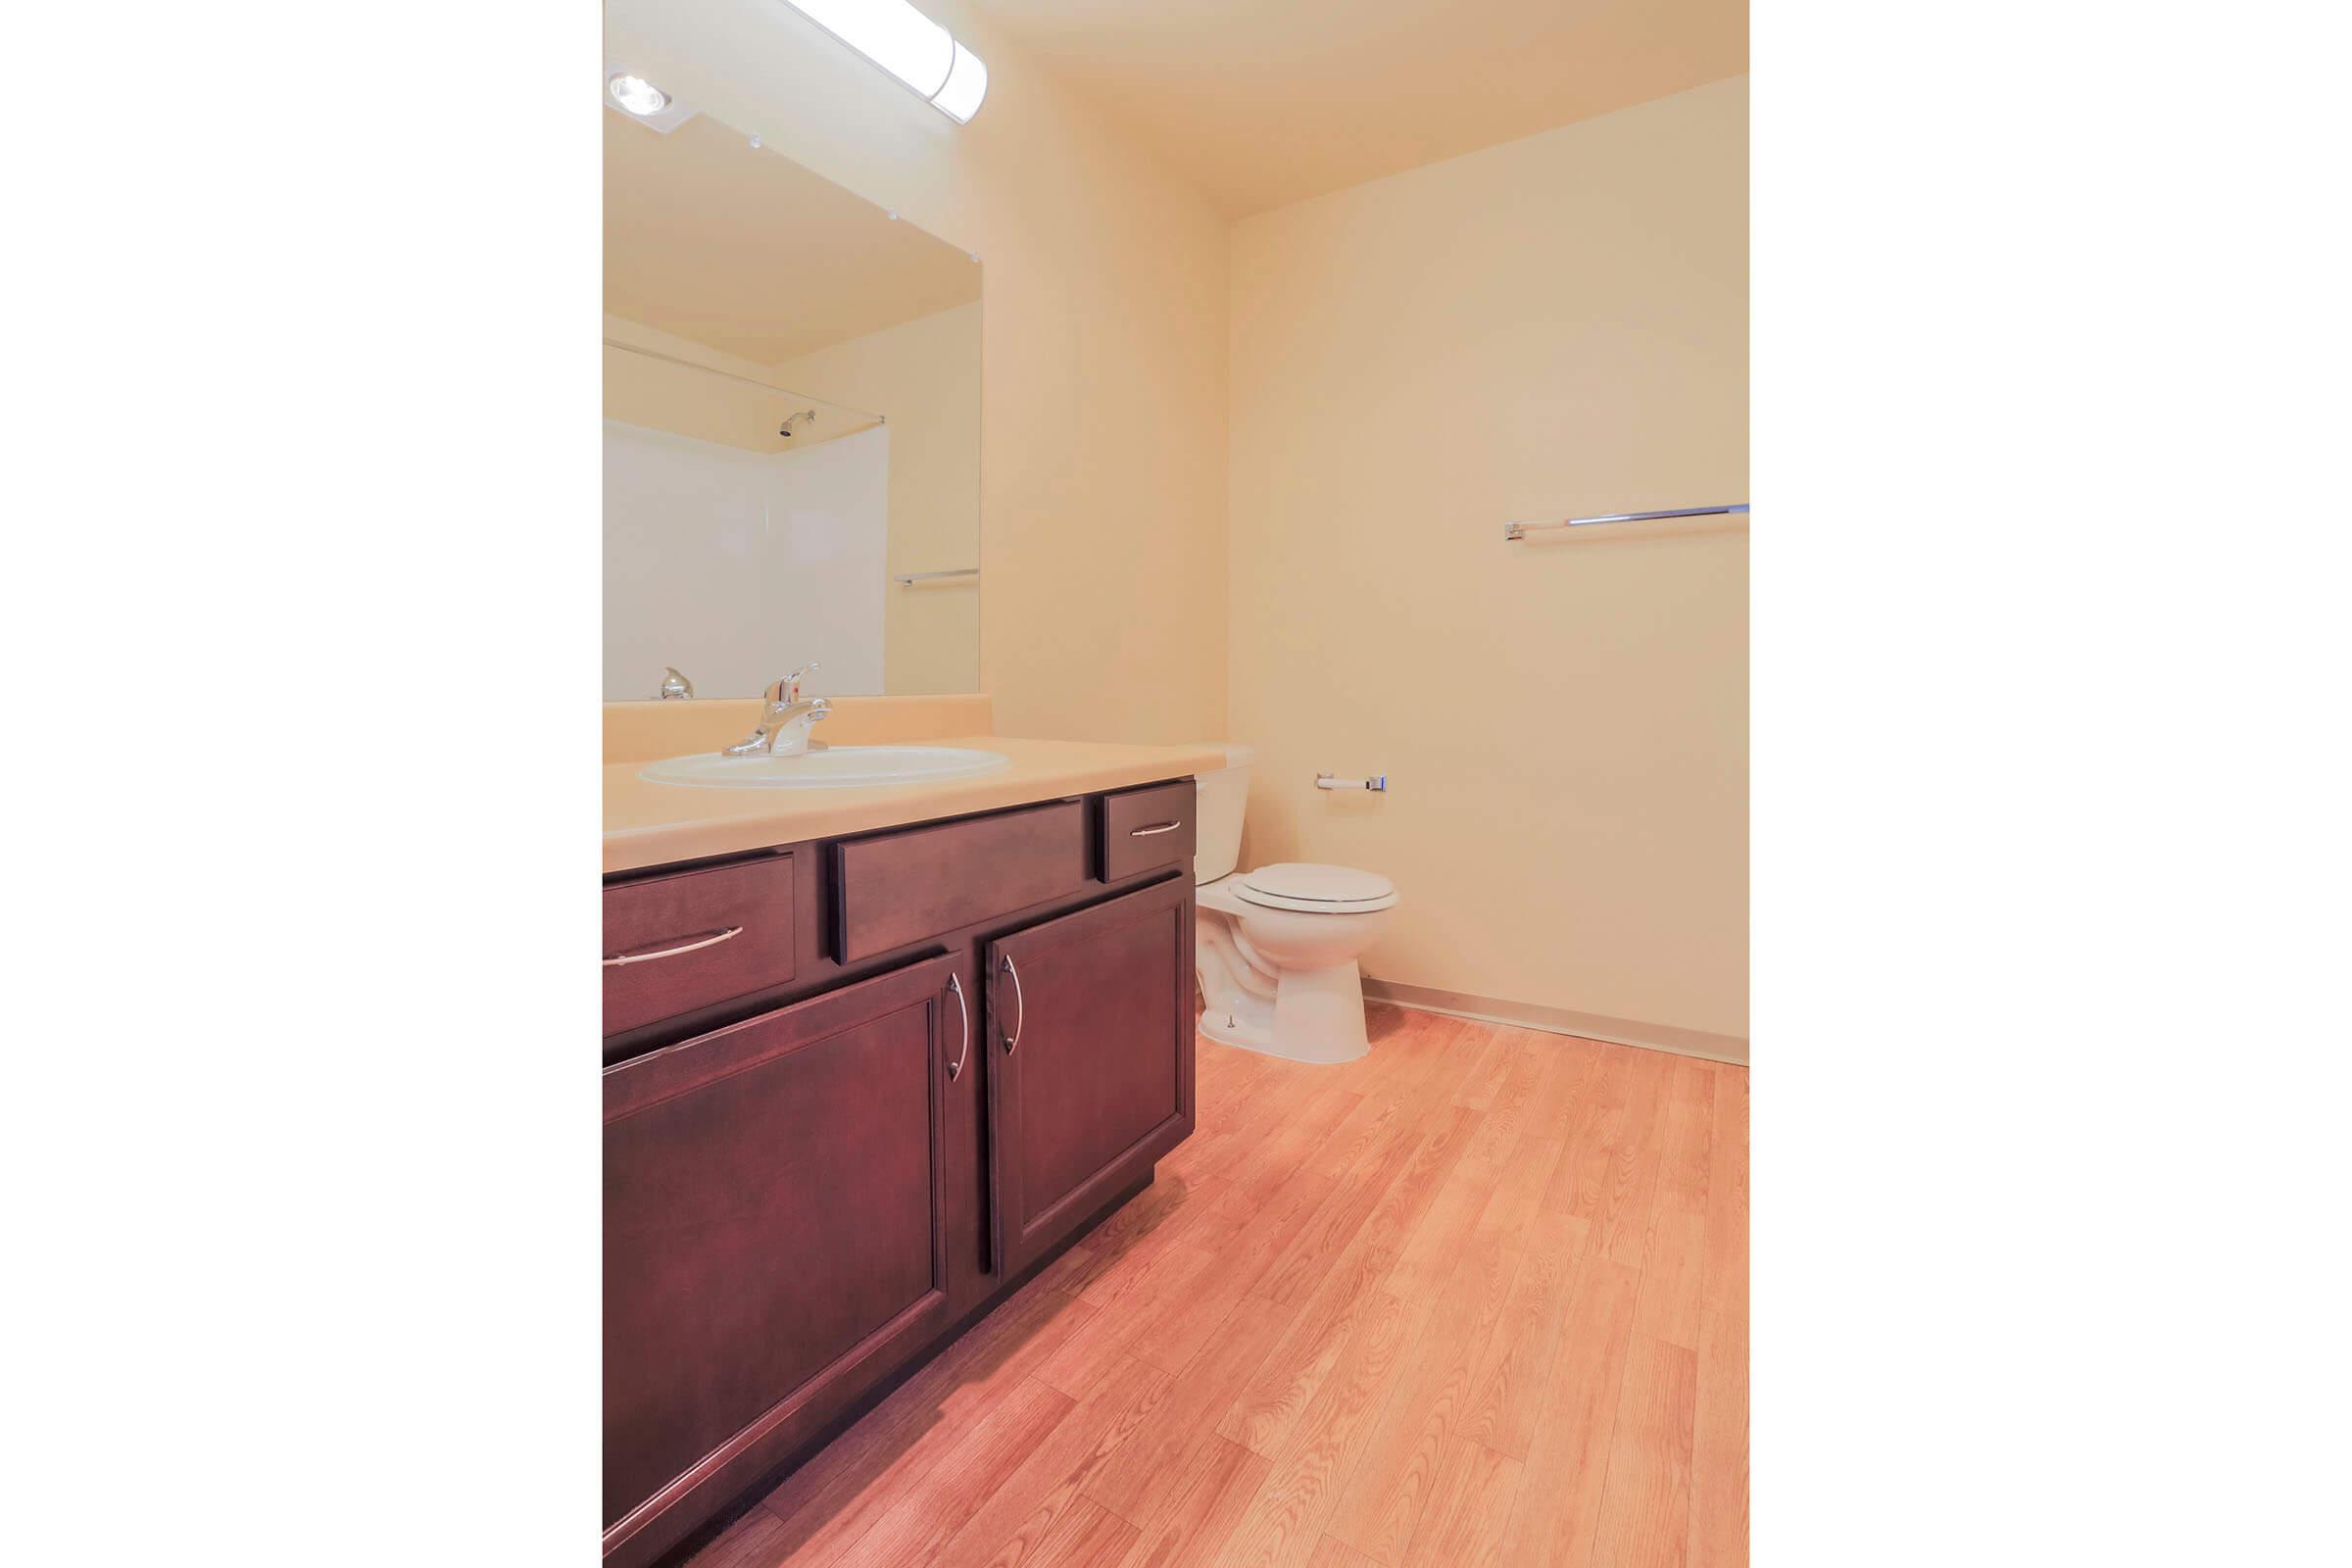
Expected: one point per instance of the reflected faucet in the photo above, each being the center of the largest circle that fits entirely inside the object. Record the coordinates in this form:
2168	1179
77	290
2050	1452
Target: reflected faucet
784	732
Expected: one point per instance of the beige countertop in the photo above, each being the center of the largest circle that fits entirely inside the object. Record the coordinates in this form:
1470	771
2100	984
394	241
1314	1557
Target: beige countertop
654	824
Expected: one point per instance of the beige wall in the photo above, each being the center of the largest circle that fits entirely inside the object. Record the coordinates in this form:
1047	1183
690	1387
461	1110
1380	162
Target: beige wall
1104	386
1552	327
924	376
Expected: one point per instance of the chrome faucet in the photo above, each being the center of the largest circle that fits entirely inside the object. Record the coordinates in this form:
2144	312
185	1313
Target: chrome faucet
675	685
784	732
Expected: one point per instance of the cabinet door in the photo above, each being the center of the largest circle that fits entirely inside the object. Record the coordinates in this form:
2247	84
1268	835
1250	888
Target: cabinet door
775	1239
1090	1062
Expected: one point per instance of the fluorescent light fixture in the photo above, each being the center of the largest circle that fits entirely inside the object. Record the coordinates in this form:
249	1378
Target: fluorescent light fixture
910	46
637	95
966	85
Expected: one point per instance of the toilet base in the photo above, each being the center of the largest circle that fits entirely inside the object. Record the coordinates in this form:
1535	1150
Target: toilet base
1316	1015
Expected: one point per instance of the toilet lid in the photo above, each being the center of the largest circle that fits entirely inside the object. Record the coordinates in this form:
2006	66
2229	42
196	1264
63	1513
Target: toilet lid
1333	889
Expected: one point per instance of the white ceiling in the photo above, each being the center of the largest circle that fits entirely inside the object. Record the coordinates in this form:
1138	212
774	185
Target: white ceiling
1266	101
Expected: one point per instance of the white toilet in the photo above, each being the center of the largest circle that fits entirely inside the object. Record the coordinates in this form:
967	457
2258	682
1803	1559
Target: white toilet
1276	948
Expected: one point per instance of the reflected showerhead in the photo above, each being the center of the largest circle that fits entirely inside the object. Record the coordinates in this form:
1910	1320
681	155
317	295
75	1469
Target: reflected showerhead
806	415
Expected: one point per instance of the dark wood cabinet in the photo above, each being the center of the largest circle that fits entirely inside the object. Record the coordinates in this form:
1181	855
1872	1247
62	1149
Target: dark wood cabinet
951	1050
677	942
1091	1078
897	888
1147	829
775	1232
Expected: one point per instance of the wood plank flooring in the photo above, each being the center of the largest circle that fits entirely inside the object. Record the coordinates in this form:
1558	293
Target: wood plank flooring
1480	1299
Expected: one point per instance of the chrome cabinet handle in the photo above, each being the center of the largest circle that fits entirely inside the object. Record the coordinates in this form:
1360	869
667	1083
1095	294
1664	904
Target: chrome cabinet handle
1156	827
615	960
956	1067
1012	1037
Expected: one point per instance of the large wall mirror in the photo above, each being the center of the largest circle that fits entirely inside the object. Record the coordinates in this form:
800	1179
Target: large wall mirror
792	426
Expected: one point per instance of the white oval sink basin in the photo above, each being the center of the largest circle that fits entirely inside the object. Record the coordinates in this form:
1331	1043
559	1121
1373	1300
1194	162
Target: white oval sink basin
836	767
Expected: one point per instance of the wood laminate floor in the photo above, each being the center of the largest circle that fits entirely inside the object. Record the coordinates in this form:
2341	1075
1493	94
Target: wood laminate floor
1480	1298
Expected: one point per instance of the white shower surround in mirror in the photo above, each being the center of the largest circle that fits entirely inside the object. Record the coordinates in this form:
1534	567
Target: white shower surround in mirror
736	565
792	419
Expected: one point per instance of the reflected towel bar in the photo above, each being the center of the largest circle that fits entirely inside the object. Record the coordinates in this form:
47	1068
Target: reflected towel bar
1520	530
903	578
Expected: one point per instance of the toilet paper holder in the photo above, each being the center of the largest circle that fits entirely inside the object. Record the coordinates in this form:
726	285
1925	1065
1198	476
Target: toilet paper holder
1378	783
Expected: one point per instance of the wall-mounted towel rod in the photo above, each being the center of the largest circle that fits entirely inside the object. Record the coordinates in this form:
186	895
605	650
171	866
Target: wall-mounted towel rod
1378	783
1520	530
903	578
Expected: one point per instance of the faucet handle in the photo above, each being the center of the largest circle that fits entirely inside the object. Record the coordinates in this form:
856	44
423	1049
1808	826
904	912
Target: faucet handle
675	685
788	690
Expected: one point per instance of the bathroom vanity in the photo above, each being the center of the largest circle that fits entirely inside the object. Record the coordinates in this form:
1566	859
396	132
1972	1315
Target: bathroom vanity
858	1087
895	1008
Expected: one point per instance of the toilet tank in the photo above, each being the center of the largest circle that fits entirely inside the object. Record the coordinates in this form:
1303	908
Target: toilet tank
1217	830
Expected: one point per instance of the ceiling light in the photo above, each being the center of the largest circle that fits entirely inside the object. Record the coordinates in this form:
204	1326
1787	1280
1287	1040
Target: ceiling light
910	46
966	85
637	95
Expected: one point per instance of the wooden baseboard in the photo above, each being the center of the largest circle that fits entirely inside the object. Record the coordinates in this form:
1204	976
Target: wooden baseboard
1562	1021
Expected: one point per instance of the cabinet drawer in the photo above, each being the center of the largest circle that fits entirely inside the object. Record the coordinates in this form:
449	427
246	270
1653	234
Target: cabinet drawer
1147	828
668	942
897	888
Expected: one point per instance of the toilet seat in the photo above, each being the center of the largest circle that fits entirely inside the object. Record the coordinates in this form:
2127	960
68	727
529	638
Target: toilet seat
1314	889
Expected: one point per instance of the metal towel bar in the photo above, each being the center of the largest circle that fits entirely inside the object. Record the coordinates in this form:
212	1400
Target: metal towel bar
1520	530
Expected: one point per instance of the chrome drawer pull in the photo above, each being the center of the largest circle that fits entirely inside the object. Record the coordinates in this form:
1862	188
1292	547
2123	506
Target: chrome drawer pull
713	940
1012	1037
1156	827
956	1067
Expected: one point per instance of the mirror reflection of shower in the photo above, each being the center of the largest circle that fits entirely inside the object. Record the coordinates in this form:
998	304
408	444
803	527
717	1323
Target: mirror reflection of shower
756	498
